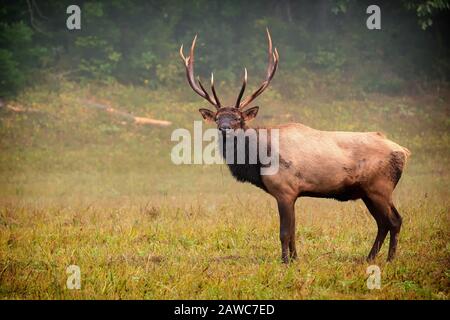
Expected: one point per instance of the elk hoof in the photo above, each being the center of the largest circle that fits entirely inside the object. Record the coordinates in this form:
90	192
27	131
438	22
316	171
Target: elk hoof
390	258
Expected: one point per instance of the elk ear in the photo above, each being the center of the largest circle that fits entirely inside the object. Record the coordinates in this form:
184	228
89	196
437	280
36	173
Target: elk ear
208	115
250	114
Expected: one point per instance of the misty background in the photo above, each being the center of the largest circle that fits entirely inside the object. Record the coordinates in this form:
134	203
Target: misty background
321	43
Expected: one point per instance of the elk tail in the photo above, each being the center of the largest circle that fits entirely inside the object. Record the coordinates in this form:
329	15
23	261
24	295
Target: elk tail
407	153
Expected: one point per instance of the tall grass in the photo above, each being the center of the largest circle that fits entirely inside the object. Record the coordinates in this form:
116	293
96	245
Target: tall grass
81	187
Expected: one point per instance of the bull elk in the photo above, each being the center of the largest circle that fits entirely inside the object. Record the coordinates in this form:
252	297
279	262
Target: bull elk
313	163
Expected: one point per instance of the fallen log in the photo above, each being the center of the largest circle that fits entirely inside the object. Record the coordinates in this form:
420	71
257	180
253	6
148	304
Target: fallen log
16	108
128	116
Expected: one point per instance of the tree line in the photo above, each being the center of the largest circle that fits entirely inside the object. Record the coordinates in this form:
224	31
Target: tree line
137	42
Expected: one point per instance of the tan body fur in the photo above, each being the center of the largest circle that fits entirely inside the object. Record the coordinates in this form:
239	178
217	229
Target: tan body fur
329	162
339	165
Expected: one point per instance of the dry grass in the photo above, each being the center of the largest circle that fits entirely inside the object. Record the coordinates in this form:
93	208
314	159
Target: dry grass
106	198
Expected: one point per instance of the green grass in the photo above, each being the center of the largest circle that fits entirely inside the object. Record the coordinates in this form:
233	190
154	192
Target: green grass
81	187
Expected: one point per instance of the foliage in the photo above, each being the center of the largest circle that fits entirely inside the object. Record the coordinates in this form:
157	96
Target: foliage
427	9
18	56
137	41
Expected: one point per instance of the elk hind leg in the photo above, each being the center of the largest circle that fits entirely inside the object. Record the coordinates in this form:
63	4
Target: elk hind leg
395	225
378	208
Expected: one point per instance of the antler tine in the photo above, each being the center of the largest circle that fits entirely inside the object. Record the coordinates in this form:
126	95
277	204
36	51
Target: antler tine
241	93
269	40
271	69
201	86
189	64
191	52
214	91
182	55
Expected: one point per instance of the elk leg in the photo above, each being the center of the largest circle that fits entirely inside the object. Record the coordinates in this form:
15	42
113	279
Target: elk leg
381	235
377	209
287	221
292	248
395	225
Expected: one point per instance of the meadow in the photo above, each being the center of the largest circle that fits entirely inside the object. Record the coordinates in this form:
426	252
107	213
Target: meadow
79	186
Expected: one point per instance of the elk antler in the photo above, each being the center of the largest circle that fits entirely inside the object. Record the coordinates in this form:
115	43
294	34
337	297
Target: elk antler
199	89
272	67
244	83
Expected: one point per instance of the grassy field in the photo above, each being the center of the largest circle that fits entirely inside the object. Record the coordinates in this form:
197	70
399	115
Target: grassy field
82	187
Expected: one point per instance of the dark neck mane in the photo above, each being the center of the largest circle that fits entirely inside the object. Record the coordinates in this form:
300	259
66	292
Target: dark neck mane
245	172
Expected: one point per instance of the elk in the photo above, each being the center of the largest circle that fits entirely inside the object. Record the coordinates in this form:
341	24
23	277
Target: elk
313	163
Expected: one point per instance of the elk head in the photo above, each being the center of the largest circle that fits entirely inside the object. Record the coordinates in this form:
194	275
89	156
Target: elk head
230	117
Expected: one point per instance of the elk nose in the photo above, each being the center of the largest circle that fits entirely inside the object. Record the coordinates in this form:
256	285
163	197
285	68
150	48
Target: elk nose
225	127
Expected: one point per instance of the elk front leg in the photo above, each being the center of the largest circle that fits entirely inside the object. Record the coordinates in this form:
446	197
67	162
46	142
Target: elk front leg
287	229
292	248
